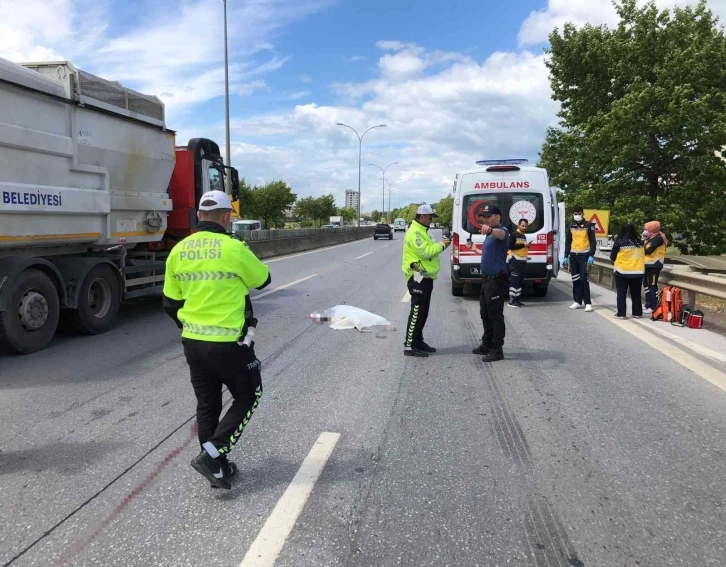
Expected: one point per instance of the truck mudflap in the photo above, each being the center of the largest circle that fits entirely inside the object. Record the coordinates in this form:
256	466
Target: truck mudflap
12	266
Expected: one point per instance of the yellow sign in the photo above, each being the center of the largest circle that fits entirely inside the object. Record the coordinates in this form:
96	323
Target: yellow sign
235	209
600	218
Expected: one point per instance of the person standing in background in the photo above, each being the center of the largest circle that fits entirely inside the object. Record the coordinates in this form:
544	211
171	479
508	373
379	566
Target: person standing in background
518	254
655	251
580	252
629	259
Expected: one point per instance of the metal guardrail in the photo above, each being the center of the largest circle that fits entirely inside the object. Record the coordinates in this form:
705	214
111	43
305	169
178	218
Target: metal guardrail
684	277
257	235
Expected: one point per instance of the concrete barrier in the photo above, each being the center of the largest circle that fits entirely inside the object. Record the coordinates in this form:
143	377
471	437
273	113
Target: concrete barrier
280	247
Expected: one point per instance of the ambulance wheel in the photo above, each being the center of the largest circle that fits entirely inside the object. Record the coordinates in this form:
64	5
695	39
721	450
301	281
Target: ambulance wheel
32	313
457	291
98	302
540	290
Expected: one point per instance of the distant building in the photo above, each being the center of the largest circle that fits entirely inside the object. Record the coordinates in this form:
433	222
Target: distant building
352	199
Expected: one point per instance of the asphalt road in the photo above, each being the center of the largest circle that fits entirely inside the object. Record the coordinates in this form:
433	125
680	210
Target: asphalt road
584	447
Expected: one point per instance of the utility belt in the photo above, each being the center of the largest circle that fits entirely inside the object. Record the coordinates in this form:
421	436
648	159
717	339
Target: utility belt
500	277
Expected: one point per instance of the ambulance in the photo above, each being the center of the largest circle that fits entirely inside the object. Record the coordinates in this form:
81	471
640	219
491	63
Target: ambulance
520	192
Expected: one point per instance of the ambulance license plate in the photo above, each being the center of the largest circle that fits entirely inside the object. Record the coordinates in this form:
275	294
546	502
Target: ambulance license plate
474	271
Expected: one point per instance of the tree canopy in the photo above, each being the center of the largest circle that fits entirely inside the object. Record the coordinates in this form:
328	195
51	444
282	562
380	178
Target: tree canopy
316	209
267	203
643	120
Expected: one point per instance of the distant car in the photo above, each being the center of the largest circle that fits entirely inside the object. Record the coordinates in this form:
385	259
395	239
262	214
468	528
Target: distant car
383	230
399	224
328	226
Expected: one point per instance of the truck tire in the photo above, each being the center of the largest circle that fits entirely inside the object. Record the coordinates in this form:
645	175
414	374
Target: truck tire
98	302
457	291
540	290
31	318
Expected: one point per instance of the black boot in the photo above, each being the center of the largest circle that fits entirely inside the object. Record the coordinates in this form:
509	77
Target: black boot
228	468
482	349
211	469
494	355
414	351
424	347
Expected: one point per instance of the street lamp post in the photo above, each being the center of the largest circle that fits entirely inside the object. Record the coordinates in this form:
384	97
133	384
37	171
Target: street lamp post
389	197
360	149
383	185
226	84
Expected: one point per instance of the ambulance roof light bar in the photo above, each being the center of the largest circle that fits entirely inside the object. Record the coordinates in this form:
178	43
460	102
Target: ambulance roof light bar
515	161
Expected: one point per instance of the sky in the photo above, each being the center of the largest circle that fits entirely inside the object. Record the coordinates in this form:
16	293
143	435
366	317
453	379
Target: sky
454	81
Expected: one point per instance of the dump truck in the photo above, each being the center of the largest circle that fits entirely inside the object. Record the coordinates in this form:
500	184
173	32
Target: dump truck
94	193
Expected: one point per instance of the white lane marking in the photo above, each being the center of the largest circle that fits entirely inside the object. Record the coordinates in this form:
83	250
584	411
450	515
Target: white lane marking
269	542
323	249
387	245
406	297
364	255
702	350
283	286
716	377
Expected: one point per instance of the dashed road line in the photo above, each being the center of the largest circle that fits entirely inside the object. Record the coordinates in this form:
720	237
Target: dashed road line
269	542
260	296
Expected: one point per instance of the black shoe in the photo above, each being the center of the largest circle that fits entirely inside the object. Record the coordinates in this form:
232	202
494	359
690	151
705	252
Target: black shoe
494	355
518	303
512	303
212	470
228	467
424	347
482	349
414	351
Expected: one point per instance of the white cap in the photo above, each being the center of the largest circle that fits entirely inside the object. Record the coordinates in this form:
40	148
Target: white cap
426	210
220	199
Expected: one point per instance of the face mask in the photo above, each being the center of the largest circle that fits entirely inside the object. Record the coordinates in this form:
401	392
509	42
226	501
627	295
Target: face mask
578	218
646	234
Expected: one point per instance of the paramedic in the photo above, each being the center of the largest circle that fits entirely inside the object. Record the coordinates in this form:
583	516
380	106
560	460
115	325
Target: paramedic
655	251
580	252
495	283
627	253
421	268
518	252
206	286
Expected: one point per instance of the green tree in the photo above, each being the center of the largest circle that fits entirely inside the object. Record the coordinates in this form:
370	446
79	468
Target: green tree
445	209
319	210
349	214
269	202
376	216
245	199
643	119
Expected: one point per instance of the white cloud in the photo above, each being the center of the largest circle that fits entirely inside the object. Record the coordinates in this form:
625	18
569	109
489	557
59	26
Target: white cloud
354	59
437	123
305	78
176	51
298	95
539	24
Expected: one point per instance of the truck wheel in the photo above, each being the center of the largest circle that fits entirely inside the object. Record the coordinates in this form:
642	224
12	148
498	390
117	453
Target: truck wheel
540	290
31	318
98	302
457	291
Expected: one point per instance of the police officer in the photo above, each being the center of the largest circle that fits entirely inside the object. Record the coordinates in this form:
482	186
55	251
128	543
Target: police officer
206	285
495	283
518	254
421	267
580	252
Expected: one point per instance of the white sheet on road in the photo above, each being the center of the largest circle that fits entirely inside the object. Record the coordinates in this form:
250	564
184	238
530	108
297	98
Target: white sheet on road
349	317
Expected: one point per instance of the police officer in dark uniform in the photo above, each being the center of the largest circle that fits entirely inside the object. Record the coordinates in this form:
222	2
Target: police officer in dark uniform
495	283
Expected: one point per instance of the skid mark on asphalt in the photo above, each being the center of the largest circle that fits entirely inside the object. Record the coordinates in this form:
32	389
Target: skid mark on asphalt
545	538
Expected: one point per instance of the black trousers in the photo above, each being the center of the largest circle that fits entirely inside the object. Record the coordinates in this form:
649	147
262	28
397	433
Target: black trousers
212	366
516	279
491	308
623	284
650	282
420	302
580	281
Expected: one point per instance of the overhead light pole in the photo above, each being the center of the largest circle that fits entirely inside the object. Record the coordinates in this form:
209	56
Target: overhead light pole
360	149
226	86
383	185
389	198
